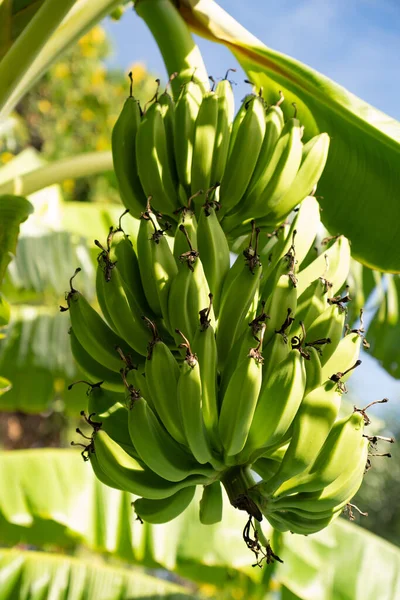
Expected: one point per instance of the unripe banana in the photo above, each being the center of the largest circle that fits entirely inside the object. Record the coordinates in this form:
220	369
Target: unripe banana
239	401
106	407
94	334
153	163
189	293
186	111
345	355
237	296
131	476
333	265
128	267
166	509
123	142
211	504
311	304
278	403
276	179
274	124
188	220
101	295
205	348
92	369
168	114
126	313
162	374
343	445
189	394
313	368
329	325
161	453
226	109
240	165
145	258
237	121
214	252
311	427
203	148
313	160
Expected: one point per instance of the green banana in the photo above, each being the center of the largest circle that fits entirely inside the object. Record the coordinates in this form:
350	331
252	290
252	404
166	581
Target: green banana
94	334
333	265
278	402
240	400
276	179
163	269
237	121
311	427
128	267
129	475
204	141
93	370
205	348
313	160
344	444
345	355
311	304
211	504
161	453
226	109
189	293
166	509
190	402
123	143
214	252
241	164
153	163
126	313
101	293
162	374
274	124
186	111
313	368
189	221
237	295
329	325
147	225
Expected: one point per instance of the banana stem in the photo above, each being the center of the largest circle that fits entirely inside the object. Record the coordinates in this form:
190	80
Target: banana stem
175	42
236	482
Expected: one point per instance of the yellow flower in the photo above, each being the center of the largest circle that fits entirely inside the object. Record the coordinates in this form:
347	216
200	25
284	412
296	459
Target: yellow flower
5	157
87	115
68	186
98	34
61	70
138	71
44	106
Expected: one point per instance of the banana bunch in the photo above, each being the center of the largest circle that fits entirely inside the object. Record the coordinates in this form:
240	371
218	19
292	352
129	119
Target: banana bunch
174	150
204	373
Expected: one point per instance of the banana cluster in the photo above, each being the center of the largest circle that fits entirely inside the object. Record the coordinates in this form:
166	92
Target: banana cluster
255	162
203	373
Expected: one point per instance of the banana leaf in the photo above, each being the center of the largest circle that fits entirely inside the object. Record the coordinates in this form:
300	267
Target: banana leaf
39	39
360	186
342	562
37	575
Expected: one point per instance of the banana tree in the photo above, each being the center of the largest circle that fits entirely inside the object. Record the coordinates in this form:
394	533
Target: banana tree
372	137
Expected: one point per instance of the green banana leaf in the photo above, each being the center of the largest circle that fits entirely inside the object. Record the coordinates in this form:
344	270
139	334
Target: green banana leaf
39	38
36	356
37	575
13	211
360	186
383	332
343	562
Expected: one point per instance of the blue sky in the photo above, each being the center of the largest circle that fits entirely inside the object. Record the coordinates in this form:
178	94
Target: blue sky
354	42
